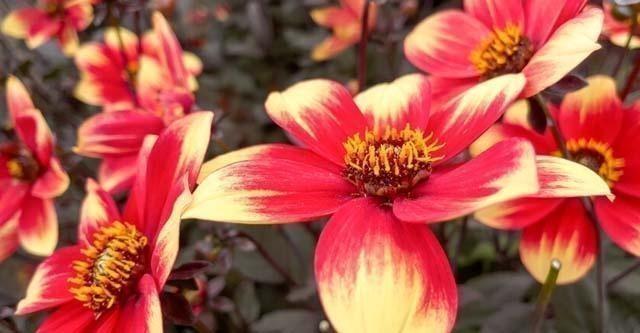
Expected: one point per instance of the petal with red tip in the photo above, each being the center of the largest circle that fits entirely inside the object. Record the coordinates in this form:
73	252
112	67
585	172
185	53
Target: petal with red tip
266	151
177	153
330	47
52	183
566	234
114	134
134	208
496	14
378	274
566	49
442	44
543	17
18	98
42	31
583	112
38	226
405	101
619	219
143	313
117	174
272	189
319	113
35	134
18	23
504	172
8	238
171	52
462	120
97	209
71	317
49	287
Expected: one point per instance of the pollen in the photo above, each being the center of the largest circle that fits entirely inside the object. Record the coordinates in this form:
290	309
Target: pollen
110	267
504	51
22	167
599	157
385	163
14	167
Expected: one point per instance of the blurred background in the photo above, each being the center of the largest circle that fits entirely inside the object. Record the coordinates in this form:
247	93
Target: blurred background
260	279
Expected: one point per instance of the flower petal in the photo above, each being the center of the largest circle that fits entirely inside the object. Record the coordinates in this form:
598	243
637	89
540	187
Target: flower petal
98	209
117	174
619	219
518	213
18	23
496	14
543	17
18	99
560	178
70	317
505	131
583	112
567	235
49	287
269	190
459	122
573	42
11	198
8	238
52	183
35	134
170	54
267	151
504	172
178	152
319	113
38	226
442	44
113	134
405	101
378	274
331	47
143	313
332	16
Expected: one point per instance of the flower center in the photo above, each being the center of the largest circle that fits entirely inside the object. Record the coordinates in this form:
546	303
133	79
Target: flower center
388	163
110	267
22	166
502	52
597	156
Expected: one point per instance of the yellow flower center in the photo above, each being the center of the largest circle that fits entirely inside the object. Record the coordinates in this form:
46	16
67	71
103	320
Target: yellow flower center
504	51
110	267
597	156
22	167
390	162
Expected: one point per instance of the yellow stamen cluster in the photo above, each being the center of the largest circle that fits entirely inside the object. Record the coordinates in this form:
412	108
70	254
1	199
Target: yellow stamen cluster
598	156
503	51
111	265
22	167
388	162
14	167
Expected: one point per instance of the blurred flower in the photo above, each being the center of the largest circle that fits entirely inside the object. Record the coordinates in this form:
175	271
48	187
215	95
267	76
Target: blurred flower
222	11
110	280
60	19
617	29
560	228
376	164
164	82
30	177
541	39
346	23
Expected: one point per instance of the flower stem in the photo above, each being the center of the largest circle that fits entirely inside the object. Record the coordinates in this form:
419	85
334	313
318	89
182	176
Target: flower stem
114	22
623	274
589	208
265	254
362	46
458	248
625	54
545	295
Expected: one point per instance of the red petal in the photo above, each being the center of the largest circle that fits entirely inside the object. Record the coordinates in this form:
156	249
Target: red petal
378	274
543	17
117	174
97	210
38	226
619	219
8	238
142	314
496	14
52	183
71	317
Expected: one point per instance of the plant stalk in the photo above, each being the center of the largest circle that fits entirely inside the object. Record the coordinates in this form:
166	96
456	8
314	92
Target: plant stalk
362	46
545	295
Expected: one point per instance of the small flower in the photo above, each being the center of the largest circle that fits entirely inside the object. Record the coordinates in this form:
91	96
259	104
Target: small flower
559	227
60	19
543	40
31	177
378	166
346	23
163	92
110	280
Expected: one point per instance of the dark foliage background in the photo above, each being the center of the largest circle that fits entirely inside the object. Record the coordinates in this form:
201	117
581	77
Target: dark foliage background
260	279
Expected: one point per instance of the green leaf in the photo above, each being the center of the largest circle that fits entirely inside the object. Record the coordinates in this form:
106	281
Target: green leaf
287	321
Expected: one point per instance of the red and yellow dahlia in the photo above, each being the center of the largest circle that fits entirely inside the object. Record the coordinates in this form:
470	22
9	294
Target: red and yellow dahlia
346	22
110	280
378	166
560	228
107	68
541	39
30	177
163	93
60	19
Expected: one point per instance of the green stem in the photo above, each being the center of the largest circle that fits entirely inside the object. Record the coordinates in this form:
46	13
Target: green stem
362	46
625	54
623	274
545	295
